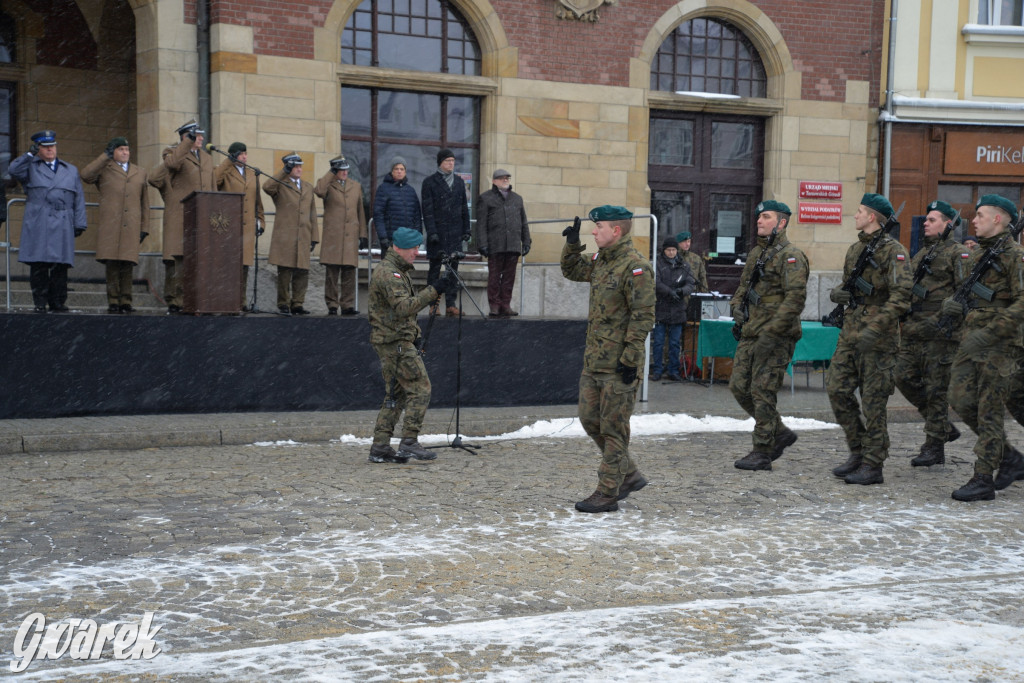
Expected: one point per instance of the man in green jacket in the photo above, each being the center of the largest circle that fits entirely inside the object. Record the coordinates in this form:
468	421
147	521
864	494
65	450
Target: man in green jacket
621	316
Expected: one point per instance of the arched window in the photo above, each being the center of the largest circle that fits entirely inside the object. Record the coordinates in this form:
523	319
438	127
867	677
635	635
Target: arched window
418	35
709	56
380	124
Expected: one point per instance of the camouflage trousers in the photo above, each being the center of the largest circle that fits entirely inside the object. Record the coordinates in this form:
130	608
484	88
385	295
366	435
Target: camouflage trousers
407	385
922	376
872	373
605	406
755	382
979	389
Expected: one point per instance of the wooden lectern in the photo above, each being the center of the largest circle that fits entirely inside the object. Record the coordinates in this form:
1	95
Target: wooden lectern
212	277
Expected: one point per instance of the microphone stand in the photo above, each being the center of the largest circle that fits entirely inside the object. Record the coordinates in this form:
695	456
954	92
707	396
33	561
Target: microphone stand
210	148
457	442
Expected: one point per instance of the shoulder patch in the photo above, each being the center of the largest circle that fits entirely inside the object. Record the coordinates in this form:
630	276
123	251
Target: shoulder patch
594	257
901	257
397	275
791	259
966	255
638	271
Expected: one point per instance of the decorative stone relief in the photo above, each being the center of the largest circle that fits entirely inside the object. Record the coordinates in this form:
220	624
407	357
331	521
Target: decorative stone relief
583	10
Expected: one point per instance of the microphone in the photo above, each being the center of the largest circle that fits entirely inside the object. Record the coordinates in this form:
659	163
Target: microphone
210	148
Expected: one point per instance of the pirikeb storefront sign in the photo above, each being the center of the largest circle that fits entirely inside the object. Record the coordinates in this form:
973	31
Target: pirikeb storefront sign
984	153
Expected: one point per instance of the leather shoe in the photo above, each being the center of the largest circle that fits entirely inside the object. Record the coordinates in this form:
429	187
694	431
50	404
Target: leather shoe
980	487
349	311
299	310
598	502
59	308
509	313
40	309
332	311
1011	469
113	308
851	465
785	438
451	312
865	475
632	482
283	310
754	460
655	376
127	308
173	309
672	377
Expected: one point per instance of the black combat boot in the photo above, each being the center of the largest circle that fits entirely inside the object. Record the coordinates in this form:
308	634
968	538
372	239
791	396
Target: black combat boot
754	460
1011	469
411	448
784	438
932	453
851	465
980	487
598	502
953	434
385	453
865	474
632	482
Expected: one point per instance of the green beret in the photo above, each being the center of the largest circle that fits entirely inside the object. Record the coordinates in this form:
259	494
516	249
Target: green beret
877	202
1000	203
118	142
943	208
236	148
610	213
407	238
683	236
772	205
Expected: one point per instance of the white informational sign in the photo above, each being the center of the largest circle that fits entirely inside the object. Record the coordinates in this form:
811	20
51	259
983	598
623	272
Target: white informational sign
730	224
726	245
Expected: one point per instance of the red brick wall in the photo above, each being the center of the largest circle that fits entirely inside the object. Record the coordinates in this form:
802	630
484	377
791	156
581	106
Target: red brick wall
829	42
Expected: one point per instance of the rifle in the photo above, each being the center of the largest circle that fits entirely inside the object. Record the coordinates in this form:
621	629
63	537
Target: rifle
750	296
925	267
971	286
855	282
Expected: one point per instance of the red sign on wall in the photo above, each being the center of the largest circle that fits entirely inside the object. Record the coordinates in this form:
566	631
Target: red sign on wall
816	212
815	189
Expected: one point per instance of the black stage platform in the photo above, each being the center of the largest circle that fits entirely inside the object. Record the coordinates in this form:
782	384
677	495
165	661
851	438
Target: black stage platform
62	365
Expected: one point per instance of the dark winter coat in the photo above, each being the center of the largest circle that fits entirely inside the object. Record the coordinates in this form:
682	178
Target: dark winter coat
395	206
445	214
501	225
672	275
54	209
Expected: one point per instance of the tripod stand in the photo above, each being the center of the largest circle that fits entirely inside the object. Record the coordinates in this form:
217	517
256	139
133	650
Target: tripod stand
457	442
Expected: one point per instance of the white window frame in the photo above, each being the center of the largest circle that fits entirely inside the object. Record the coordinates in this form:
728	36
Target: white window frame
990	12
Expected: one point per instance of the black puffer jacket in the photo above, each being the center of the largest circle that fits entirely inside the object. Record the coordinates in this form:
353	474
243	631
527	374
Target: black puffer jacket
395	206
673	275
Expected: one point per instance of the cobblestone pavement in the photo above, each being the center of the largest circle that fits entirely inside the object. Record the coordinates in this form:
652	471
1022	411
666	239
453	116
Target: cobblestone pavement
305	562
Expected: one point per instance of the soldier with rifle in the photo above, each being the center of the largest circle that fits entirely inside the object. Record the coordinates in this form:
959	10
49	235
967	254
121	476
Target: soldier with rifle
925	356
990	301
767	307
874	294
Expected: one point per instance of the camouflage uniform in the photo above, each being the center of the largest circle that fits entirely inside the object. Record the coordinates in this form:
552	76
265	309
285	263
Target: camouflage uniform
926	355
871	372
621	316
700	274
980	386
393	333
757	374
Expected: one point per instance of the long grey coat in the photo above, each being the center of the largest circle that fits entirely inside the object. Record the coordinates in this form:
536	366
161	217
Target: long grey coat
124	208
501	223
55	206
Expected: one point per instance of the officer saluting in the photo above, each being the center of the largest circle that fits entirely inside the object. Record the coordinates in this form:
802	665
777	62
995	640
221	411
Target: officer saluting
992	349
925	357
767	307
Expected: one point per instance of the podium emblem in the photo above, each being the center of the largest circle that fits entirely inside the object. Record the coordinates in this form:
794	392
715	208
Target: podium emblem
220	223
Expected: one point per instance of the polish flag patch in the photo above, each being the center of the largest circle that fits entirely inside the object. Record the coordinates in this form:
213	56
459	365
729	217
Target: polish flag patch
638	271
397	275
791	259
901	257
968	256
594	257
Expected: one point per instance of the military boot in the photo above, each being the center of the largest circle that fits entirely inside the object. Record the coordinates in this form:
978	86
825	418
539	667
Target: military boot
633	482
785	438
385	453
411	448
865	475
598	502
754	460
980	487
1011	469
953	434
932	453
851	464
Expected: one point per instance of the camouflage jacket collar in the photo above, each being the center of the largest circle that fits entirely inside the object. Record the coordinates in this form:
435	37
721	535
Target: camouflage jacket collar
866	237
625	243
396	261
781	240
989	241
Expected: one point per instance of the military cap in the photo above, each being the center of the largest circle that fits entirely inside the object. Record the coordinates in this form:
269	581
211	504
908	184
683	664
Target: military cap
669	243
1000	203
292	159
236	148
119	141
772	205
444	154
407	238
610	213
339	164
500	173
970	238
878	203
683	236
191	126
45	138
943	208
